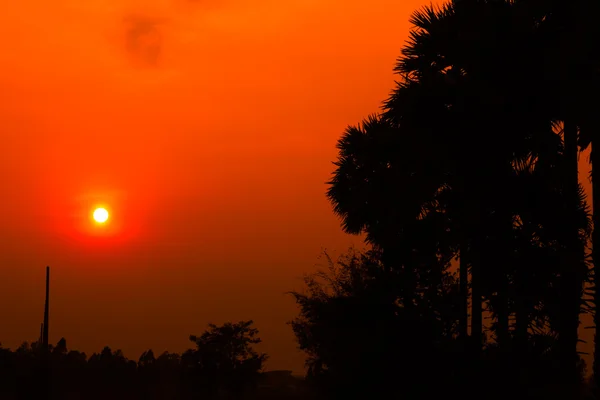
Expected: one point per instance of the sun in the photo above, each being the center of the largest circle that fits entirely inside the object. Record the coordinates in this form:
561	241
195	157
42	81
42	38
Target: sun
100	215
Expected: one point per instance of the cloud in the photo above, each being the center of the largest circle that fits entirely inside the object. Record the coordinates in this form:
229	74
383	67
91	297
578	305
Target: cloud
149	26
144	39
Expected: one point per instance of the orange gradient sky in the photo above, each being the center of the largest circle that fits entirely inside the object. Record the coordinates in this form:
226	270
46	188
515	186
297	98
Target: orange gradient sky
207	128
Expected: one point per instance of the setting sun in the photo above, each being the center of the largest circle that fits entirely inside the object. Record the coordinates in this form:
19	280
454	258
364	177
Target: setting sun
100	215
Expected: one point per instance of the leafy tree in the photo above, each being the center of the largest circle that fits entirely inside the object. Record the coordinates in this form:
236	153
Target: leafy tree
361	341
225	359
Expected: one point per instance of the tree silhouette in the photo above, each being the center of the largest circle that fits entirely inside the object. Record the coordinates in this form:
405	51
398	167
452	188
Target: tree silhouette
458	49
577	74
222	364
225	359
458	86
361	341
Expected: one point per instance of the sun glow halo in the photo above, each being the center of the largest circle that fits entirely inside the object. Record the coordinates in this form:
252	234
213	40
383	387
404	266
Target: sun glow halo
100	215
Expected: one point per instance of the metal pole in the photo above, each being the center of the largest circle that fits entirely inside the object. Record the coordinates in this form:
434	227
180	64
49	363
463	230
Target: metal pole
46	309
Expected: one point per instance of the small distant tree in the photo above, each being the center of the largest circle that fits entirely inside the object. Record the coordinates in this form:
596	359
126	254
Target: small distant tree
148	374
146	360
112	372
224	360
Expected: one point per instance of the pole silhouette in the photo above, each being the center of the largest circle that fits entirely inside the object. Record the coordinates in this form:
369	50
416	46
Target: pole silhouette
46	309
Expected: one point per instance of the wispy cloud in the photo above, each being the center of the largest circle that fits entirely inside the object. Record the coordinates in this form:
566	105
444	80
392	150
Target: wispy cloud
143	39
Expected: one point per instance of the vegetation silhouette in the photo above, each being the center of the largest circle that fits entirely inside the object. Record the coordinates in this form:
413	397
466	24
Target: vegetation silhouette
474	158
222	365
481	241
361	339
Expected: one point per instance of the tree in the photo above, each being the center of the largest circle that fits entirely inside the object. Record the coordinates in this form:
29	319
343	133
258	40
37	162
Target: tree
460	49
464	44
458	84
225	359
112	373
575	23
361	341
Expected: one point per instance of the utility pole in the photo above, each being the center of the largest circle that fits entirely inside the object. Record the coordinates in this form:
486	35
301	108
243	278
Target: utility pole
46	309
43	373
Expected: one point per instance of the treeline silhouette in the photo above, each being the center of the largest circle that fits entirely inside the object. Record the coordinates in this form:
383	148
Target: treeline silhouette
364	339
222	365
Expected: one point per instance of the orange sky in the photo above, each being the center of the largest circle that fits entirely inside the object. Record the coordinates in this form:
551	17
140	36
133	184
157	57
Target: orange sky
208	127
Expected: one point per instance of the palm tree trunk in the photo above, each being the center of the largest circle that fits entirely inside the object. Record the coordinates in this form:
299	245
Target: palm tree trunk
502	298
595	161
502	313
476	306
522	316
464	264
569	315
476	294
463	322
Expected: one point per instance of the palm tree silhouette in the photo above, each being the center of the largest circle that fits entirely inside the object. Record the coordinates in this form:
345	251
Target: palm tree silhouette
576	24
439	53
457	85
388	191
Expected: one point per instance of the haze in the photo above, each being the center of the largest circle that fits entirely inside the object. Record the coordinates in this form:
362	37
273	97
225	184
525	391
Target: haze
209	127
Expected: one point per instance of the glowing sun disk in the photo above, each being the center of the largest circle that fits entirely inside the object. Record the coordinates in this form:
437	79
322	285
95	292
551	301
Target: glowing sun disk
100	215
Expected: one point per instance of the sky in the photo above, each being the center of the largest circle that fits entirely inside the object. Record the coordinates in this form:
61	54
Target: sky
207	128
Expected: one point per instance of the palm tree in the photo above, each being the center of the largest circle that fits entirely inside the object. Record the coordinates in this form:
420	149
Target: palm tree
456	46
387	190
459	84
588	135
582	61
467	41
595	161
570	31
424	105
542	230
